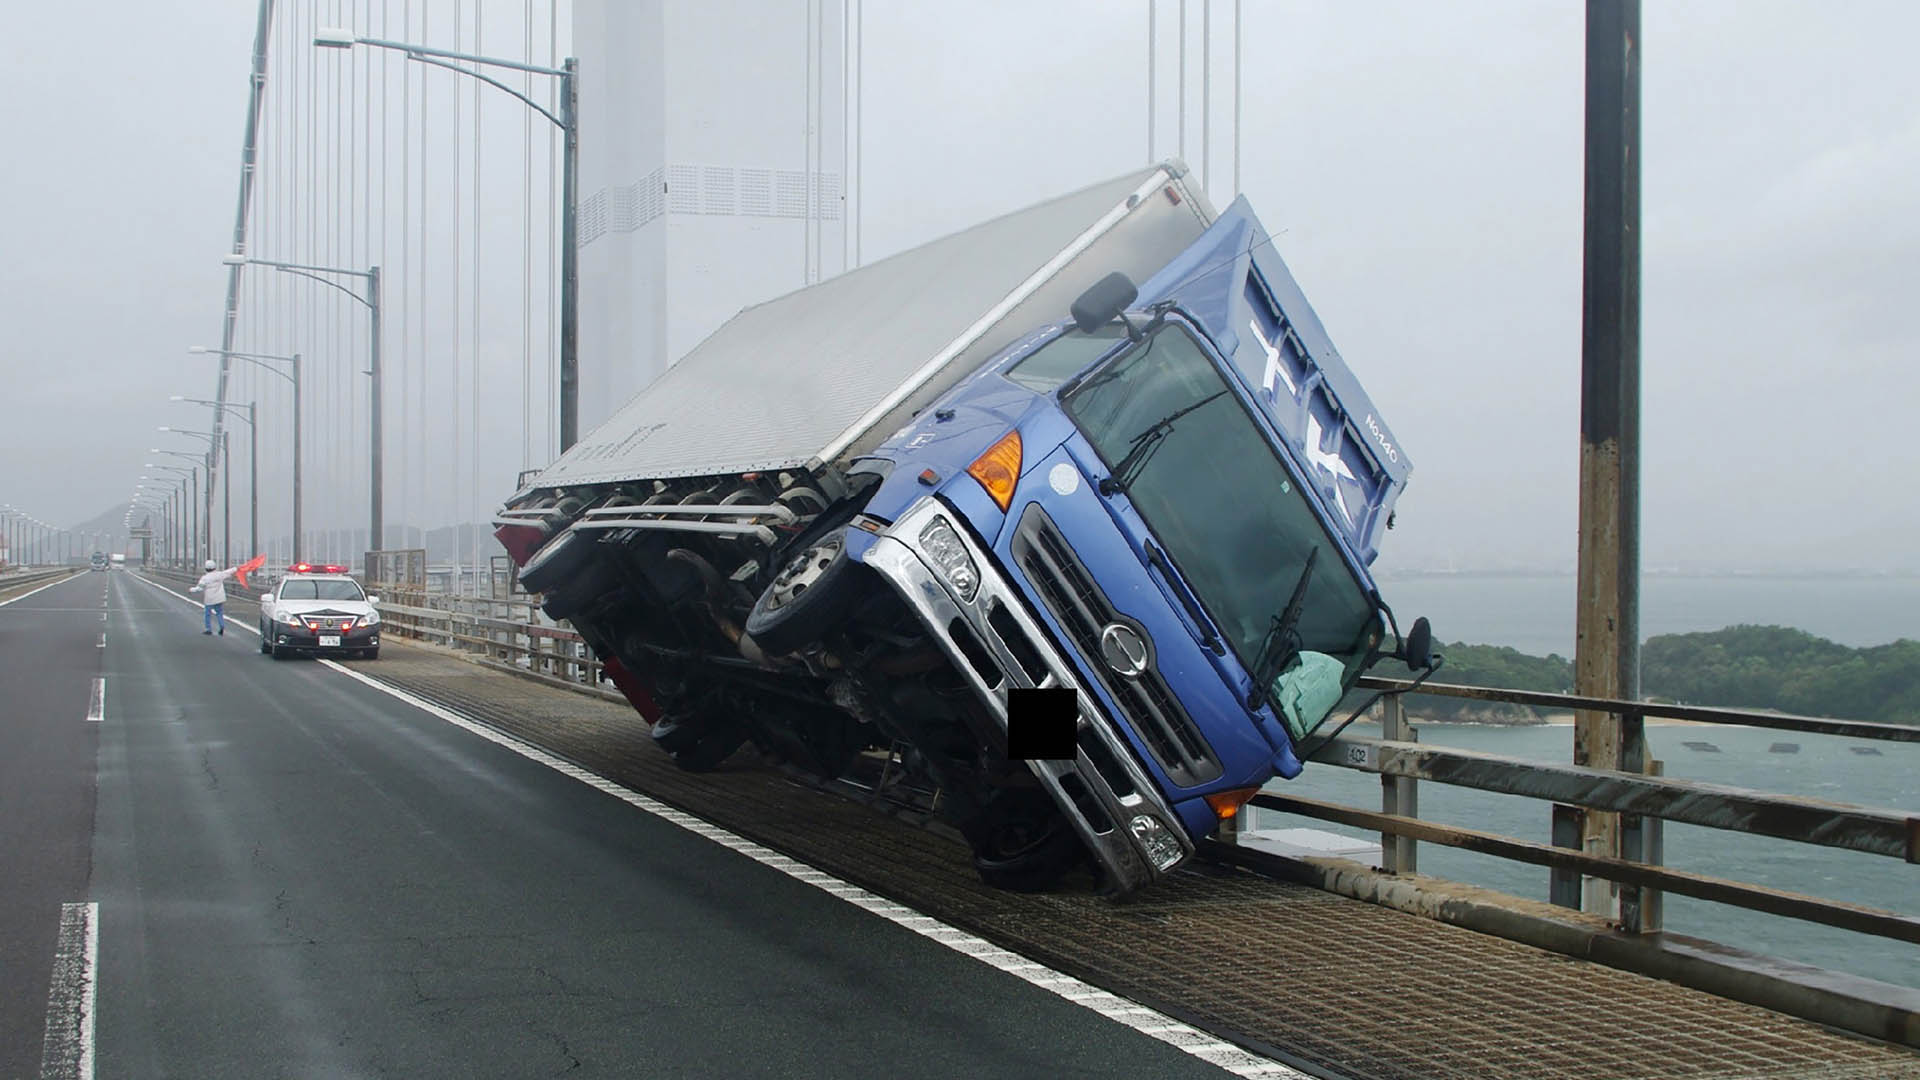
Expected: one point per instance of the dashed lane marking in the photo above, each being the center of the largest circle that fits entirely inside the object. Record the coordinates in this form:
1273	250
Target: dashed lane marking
97	701
68	1053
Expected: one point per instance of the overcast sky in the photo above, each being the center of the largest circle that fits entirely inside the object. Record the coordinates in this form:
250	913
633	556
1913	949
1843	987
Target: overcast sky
1419	164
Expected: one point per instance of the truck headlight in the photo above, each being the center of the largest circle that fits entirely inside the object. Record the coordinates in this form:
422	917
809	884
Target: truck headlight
1162	847
950	557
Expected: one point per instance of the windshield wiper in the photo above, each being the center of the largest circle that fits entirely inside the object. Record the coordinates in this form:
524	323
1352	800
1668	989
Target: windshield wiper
1145	444
1282	643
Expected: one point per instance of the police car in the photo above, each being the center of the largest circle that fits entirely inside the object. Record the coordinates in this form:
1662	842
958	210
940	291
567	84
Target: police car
319	610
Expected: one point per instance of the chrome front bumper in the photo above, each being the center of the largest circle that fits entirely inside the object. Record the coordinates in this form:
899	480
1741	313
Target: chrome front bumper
1138	823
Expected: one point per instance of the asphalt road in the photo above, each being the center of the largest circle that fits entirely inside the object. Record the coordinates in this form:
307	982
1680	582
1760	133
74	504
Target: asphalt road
299	875
49	656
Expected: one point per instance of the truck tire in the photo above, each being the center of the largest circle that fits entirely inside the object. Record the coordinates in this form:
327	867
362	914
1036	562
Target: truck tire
1023	844
695	745
557	561
807	598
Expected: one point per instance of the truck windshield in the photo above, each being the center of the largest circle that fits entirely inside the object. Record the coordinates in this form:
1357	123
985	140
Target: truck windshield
1219	498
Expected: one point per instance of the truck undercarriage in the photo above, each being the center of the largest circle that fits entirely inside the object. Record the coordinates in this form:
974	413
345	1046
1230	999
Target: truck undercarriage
734	603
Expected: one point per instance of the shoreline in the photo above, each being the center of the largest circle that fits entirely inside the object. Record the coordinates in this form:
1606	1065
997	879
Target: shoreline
1562	719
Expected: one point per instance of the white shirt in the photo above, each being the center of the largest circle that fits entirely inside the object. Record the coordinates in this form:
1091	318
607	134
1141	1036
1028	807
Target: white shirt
214	584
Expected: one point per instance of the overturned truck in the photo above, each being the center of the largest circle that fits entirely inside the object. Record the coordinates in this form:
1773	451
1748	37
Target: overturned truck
1100	448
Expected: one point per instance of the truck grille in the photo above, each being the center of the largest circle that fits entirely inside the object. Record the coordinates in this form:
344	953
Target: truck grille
1082	610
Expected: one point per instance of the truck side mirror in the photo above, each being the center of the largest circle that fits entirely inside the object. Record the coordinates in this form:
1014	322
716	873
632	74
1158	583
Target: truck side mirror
1417	648
1103	302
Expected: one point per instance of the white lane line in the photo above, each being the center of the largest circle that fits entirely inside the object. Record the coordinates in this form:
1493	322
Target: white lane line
1141	1018
103	640
97	701
235	623
30	592
70	999
1147	1021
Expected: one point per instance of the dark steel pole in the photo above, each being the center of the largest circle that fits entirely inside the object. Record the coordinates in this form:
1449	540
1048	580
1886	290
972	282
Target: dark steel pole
569	257
226	501
1607	627
253	479
296	457
377	529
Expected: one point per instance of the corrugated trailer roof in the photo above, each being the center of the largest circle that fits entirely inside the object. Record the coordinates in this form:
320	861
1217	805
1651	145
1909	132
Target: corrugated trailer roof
818	373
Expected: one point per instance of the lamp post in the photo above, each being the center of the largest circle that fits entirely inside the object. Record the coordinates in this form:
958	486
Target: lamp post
203	546
182	531
376	523
568	121
246	412
292	375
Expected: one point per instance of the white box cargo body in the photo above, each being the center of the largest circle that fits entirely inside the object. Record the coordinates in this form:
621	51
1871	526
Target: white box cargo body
819	376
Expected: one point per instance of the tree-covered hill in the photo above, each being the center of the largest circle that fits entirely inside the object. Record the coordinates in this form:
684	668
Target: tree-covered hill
1757	667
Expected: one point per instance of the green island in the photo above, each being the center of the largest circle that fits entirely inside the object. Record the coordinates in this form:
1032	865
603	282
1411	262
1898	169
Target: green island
1751	667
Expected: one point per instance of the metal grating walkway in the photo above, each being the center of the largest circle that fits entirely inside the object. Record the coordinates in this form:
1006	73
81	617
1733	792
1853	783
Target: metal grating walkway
1355	988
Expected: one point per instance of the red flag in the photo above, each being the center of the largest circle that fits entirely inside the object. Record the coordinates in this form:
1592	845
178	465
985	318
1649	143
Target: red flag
254	563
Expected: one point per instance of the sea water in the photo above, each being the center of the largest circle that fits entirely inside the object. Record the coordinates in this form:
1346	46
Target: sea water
1856	771
1535	615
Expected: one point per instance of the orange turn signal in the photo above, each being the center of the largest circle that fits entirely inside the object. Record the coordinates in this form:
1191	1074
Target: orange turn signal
1226	804
999	469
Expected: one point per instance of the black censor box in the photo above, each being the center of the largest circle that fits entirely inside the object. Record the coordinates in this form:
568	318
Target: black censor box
1041	723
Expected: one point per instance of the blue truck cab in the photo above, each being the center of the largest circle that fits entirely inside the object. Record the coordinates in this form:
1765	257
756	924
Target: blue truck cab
1076	588
1168	510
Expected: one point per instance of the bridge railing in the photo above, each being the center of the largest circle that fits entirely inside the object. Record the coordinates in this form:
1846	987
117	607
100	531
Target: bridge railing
509	630
512	631
1643	799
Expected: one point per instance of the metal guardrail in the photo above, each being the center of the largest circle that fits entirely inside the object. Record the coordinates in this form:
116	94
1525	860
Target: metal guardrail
1644	799
12	580
512	631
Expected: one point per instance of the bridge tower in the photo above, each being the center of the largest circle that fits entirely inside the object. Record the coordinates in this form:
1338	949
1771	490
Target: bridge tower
712	173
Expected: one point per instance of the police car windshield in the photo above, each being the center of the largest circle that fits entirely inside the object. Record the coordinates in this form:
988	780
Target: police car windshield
321	589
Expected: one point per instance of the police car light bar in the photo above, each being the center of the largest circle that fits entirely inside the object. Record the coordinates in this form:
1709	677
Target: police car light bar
309	568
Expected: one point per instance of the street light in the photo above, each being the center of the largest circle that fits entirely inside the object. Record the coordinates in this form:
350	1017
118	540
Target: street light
216	445
376	490
186	514
568	121
253	461
293	363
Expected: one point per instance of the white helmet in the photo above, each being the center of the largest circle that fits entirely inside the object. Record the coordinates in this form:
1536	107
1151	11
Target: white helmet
209	564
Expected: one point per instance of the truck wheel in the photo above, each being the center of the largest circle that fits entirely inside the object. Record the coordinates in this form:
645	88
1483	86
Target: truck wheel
807	598
560	559
694	745
1022	844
